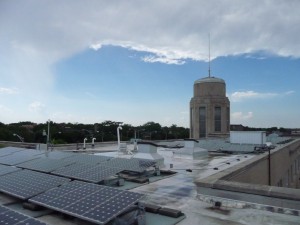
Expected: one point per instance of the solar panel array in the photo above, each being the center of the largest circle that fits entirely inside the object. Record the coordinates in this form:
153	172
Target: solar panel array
91	202
45	161
24	184
88	201
96	173
11	217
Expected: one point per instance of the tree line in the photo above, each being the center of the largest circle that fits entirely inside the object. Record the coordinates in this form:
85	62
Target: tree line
64	133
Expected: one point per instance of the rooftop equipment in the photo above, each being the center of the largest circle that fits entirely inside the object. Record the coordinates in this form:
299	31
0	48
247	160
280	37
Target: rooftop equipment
148	151
248	137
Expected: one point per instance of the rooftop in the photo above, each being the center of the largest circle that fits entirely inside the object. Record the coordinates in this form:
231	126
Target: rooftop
179	190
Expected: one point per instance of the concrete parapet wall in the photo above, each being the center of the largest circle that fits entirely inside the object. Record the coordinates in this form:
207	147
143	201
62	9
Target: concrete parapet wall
252	176
284	168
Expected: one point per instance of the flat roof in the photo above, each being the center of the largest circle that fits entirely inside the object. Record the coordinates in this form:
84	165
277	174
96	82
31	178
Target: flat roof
180	191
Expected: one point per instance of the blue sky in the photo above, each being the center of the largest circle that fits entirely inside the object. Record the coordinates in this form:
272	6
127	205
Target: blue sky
136	61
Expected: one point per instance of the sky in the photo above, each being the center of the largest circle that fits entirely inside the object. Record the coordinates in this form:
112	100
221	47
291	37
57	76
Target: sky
136	61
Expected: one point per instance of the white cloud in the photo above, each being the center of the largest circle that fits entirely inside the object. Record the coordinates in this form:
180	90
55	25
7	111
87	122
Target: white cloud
238	117
8	91
153	59
239	96
40	34
245	95
37	107
37	35
289	92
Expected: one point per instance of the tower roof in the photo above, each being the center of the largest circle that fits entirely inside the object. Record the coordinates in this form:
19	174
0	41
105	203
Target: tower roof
210	80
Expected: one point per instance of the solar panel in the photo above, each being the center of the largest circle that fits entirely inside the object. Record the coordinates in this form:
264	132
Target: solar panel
7	169
97	174
73	170
44	164
57	155
20	157
115	206
24	184
91	202
48	196
88	159
13	160
9	150
85	172
11	217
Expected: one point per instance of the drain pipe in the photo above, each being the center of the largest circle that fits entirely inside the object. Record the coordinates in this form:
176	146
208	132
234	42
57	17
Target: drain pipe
118	134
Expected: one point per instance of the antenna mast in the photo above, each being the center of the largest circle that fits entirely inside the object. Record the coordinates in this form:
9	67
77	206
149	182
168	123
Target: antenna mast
209	55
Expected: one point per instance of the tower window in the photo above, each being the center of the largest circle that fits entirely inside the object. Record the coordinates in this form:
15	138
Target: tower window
191	123
217	119
202	122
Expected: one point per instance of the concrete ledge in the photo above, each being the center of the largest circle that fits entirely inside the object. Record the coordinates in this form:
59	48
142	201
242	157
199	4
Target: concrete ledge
264	190
242	187
286	193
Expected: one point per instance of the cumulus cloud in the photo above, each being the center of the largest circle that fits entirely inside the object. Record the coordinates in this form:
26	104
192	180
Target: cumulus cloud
35	35
244	95
8	91
36	107
153	59
238	117
42	33
239	96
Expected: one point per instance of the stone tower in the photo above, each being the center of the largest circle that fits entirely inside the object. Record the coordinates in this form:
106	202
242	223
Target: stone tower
209	109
